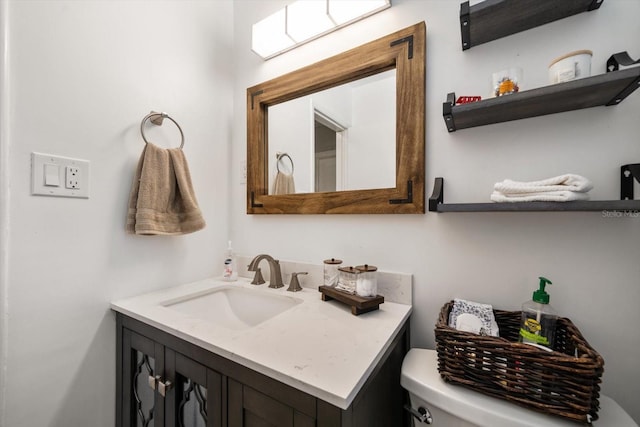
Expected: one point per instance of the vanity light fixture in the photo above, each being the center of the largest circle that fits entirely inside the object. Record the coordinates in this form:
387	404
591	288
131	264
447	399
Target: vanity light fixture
305	20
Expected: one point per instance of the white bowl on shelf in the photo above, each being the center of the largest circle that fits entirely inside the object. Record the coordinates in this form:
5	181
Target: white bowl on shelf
571	66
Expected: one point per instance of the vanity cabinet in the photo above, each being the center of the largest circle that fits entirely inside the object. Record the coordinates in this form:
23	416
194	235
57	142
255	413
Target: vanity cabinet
163	380
161	387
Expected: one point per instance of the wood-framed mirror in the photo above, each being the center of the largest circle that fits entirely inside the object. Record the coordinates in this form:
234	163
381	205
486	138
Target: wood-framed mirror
402	51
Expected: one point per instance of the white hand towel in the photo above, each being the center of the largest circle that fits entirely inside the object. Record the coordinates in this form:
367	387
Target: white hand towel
543	196
567	182
475	317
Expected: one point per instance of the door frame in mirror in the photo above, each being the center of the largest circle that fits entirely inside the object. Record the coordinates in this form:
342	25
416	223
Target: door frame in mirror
403	50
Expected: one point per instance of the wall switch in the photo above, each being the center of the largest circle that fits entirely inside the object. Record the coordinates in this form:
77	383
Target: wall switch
48	172
51	175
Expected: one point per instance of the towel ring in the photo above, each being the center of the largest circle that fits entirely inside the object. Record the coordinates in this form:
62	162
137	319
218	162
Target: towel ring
279	157
156	119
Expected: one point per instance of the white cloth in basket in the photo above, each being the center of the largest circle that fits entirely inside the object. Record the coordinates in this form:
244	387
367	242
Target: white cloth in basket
474	317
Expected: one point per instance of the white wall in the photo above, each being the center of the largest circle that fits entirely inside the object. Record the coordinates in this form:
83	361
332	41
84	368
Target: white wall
495	258
81	76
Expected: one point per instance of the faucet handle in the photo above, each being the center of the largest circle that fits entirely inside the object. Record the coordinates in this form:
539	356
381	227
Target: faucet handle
294	285
257	278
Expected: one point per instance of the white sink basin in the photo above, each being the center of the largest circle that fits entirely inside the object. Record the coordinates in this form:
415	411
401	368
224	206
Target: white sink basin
233	307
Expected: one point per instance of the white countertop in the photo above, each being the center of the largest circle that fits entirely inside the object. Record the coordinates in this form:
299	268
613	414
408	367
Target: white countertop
318	347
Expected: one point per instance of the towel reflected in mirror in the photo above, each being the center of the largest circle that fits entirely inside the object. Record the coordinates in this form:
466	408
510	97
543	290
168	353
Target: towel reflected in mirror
283	182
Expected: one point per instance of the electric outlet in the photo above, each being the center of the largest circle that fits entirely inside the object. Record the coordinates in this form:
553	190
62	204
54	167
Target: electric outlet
59	176
72	180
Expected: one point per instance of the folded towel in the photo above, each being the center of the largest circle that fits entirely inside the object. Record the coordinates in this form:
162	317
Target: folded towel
543	196
474	317
283	184
162	200
567	182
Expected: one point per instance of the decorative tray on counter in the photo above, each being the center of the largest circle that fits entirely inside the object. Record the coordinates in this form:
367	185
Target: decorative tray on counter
358	304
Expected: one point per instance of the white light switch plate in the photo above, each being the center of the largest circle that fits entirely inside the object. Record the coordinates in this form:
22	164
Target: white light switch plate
73	176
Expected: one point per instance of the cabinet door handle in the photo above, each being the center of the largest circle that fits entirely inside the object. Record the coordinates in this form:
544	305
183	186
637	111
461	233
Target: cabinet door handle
153	381
164	387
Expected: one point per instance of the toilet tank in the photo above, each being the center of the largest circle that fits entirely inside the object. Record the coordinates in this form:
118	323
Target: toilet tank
456	406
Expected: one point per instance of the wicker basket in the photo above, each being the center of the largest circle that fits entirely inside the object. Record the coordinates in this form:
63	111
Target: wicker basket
564	382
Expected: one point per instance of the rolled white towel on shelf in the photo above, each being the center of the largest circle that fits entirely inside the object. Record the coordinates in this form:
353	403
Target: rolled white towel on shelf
566	182
545	196
562	188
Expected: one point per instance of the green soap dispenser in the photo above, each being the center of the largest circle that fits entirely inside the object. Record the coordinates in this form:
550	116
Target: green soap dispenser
538	325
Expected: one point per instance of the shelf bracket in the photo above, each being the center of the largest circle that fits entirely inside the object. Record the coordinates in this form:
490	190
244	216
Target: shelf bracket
595	4
409	198
253	201
620	58
635	84
465	25
446	112
627	174
437	196
613	64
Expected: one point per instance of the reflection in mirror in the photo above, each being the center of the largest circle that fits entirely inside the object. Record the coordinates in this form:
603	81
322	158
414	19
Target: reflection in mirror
342	138
327	153
324	139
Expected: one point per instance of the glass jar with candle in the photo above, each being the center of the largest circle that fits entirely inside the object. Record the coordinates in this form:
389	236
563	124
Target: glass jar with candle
367	281
331	271
347	279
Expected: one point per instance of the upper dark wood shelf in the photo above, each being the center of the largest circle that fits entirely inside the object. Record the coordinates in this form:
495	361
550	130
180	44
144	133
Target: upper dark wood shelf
604	89
436	204
494	19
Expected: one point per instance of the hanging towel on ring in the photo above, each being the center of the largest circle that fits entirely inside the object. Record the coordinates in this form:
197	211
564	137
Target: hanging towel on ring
162	200
283	184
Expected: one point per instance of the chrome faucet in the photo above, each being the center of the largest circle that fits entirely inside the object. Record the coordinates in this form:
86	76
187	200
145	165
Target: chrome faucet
275	275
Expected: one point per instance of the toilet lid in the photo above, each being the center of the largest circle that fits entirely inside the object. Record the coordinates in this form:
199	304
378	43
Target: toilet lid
420	377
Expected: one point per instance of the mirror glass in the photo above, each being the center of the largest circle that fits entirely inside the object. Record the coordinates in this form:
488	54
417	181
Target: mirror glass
338	139
345	135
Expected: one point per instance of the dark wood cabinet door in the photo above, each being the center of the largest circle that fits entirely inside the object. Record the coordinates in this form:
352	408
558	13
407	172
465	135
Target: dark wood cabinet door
206	390
142	362
250	408
195	399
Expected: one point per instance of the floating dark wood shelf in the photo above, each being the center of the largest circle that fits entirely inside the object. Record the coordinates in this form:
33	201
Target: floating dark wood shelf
601	90
493	19
436	204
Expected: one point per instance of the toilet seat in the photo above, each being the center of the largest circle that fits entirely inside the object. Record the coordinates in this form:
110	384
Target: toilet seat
421	378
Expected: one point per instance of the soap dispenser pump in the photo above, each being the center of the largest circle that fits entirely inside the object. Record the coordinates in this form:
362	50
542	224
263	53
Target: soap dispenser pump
229	273
538	325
